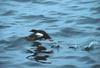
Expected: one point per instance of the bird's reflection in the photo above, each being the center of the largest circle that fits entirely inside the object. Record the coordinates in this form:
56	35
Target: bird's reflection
39	53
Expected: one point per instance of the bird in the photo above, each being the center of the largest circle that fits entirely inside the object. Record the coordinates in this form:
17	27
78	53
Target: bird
39	35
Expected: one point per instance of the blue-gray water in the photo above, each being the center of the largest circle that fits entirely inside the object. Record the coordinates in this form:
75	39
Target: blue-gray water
68	22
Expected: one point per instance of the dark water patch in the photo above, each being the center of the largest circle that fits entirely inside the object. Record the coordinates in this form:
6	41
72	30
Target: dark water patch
40	58
11	65
5	57
86	2
69	21
34	17
87	60
22	21
98	47
12	48
77	9
88	20
4	63
70	32
57	13
67	57
2	49
53	25
4	42
89	27
49	21
44	2
4	26
67	66
15	66
50	3
96	66
38	1
91	62
8	13
14	44
74	6
2	4
96	33
22	0
97	9
98	28
32	64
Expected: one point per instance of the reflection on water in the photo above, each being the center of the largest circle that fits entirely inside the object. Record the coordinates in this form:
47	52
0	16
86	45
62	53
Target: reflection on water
39	53
72	24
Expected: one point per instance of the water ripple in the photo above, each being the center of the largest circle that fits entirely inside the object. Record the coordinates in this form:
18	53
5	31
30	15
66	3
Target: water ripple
88	20
8	13
68	21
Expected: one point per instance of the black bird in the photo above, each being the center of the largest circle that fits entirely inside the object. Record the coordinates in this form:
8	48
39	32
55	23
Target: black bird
41	34
38	35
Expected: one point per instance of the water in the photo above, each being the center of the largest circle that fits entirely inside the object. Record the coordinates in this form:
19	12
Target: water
68	22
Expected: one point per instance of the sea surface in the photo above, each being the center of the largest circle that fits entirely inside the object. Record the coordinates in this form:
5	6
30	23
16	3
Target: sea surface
68	22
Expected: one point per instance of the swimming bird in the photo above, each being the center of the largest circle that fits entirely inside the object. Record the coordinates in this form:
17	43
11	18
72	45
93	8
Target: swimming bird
41	34
38	35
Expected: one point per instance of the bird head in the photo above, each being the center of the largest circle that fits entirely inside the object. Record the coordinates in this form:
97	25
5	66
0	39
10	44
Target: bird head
33	30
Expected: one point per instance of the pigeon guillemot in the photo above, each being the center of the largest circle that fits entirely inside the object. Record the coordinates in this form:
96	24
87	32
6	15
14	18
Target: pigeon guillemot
41	33
38	35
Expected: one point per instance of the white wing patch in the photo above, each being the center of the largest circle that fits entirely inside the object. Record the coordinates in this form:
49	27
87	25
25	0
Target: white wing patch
39	34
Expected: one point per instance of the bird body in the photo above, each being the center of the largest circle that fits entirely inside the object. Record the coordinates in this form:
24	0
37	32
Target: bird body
40	34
